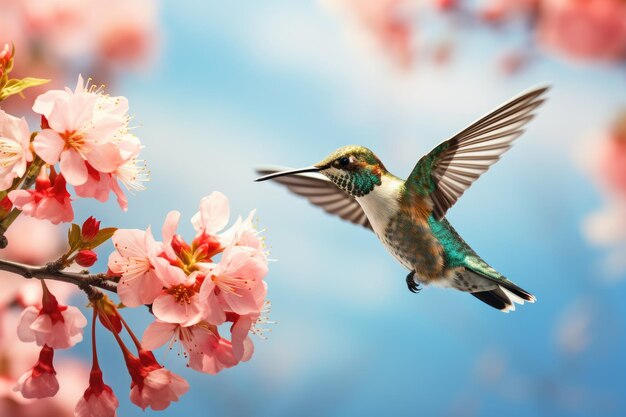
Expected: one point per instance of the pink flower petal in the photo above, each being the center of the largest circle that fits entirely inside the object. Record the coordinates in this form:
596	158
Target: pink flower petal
157	334
48	145
73	167
213	215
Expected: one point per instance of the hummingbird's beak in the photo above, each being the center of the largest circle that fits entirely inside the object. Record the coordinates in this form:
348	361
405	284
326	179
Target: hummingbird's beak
290	172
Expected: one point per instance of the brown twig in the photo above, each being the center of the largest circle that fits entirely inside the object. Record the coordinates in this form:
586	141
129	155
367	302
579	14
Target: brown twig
86	282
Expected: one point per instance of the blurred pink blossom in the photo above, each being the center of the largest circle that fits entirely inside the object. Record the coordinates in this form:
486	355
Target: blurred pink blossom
21	248
604	157
574	328
498	10
585	30
387	22
126	33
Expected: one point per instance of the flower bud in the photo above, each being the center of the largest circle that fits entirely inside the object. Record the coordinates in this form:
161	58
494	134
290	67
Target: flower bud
86	258
108	314
90	229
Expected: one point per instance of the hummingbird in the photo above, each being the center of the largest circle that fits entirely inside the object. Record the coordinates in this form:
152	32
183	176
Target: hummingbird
408	216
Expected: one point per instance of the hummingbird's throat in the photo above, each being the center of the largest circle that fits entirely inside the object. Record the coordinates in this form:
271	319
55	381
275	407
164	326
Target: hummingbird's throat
356	183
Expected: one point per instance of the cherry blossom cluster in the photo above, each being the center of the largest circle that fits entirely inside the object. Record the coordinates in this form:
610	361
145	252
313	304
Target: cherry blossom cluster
207	294
192	295
84	142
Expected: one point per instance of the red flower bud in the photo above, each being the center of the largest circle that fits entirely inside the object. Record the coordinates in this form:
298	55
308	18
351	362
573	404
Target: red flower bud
90	229
108	314
86	258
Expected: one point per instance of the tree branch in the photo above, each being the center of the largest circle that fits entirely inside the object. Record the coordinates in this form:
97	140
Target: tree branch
83	281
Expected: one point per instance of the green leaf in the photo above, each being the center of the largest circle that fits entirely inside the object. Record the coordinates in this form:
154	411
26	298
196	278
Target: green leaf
16	86
74	236
102	236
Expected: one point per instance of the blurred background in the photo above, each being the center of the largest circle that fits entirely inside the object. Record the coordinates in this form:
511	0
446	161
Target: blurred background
218	87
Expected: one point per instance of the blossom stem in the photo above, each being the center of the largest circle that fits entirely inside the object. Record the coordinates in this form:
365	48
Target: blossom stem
86	282
95	365
119	340
130	332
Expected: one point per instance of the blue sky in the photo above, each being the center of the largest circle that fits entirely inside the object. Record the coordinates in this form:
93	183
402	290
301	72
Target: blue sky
280	82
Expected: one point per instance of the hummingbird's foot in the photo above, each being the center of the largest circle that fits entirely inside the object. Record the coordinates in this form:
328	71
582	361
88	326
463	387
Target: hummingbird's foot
414	287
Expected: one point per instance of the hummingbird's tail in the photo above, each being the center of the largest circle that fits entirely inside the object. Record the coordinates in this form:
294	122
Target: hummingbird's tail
504	297
495	290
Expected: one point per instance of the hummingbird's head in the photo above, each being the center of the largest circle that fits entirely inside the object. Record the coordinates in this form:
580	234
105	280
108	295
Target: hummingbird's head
354	169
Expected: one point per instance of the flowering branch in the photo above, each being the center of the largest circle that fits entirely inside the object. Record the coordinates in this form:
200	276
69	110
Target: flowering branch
198	291
81	280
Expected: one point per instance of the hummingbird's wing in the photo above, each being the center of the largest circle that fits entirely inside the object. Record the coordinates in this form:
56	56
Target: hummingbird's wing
449	169
320	191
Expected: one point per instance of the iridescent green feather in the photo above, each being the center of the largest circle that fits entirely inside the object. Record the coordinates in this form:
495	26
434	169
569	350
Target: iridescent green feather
457	253
421	181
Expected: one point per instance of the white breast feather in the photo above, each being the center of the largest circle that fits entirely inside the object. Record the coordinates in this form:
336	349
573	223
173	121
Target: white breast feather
382	203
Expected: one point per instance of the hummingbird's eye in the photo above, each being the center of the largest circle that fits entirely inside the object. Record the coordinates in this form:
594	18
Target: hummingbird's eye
344	161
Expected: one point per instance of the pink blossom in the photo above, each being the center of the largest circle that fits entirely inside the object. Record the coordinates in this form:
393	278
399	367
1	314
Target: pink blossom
85	126
40	381
49	200
132	174
98	399
244	233
54	325
213	215
200	342
586	30
218	355
235	284
179	301
134	250
152	385
241	343
243	325
209	221
14	149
